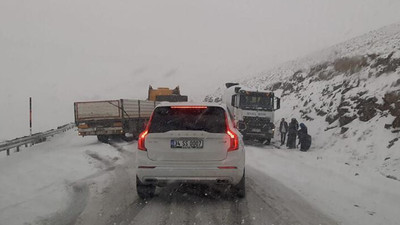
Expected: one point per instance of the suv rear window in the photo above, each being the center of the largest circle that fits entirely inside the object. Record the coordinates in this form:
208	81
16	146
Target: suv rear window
210	119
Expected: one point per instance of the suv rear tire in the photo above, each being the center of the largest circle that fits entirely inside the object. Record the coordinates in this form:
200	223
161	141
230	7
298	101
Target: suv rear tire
240	189
145	190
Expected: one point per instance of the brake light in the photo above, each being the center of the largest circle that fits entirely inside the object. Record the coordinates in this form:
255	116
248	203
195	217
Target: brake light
188	107
141	140
142	136
234	144
234	139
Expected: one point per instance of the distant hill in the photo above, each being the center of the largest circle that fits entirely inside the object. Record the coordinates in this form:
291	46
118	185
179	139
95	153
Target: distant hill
348	96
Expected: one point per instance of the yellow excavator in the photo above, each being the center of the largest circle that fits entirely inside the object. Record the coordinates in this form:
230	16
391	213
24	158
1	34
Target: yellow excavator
165	94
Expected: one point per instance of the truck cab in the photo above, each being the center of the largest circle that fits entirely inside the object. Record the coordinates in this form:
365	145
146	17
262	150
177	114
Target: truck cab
253	111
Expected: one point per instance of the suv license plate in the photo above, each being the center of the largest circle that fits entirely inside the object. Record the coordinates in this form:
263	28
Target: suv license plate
187	143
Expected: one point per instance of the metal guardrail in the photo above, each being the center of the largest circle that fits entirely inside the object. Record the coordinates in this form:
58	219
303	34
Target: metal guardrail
34	139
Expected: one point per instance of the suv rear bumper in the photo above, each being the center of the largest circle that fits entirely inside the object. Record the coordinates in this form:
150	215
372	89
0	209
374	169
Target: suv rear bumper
213	175
228	171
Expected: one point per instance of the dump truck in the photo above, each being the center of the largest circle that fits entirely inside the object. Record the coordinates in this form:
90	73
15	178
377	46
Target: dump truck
112	118
166	94
253	111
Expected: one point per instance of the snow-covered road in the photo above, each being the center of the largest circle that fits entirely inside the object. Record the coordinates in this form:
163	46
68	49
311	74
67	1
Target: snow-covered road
74	180
267	202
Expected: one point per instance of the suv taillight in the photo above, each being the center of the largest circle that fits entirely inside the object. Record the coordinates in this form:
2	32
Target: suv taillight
233	137
234	144
142	136
141	140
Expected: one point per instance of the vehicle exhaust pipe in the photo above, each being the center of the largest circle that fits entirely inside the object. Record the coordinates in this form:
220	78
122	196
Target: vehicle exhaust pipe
222	181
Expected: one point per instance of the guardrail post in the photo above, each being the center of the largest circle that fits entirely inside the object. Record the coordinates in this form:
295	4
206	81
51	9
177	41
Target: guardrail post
17	148
8	151
30	116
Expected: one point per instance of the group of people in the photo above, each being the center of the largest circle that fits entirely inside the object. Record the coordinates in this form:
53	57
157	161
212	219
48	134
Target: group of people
294	130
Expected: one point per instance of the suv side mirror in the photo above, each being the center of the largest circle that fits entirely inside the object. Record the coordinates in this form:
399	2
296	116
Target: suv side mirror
233	100
278	103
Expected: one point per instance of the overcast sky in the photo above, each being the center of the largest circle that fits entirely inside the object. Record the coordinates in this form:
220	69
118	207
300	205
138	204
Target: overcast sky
64	51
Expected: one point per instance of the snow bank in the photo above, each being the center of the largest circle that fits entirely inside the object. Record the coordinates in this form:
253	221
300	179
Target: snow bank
348	193
46	178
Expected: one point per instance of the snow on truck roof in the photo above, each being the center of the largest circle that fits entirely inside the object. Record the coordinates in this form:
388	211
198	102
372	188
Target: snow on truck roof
243	88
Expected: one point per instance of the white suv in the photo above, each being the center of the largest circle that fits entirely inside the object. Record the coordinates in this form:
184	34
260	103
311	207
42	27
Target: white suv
190	143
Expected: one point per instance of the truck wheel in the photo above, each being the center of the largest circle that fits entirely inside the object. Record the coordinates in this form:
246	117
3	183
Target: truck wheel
145	191
125	138
103	138
240	189
135	135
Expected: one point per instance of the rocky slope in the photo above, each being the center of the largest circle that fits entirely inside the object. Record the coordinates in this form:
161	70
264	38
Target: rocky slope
348	96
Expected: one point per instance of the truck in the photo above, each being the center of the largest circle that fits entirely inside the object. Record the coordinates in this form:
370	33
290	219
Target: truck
112	118
253	111
166	94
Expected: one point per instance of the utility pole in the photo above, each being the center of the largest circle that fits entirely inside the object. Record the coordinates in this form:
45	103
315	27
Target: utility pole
30	116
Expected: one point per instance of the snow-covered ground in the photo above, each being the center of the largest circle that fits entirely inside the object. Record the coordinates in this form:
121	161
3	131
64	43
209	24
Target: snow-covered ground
52	183
50	177
347	193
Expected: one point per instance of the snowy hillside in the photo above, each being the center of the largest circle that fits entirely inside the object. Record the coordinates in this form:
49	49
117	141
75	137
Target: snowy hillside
348	96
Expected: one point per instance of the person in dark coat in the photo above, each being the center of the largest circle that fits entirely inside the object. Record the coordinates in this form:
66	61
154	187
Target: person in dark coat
296	124
269	127
283	129
292	133
304	138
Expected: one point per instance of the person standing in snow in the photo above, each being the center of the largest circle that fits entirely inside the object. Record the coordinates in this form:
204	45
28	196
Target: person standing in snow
283	129
269	127
304	138
292	133
296	124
